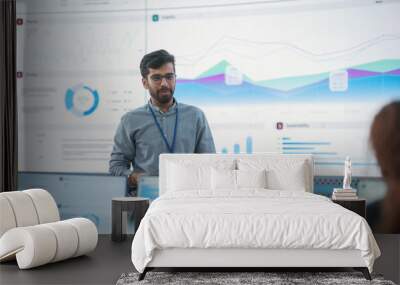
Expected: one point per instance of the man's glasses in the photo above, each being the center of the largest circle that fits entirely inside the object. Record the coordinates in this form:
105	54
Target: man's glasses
157	78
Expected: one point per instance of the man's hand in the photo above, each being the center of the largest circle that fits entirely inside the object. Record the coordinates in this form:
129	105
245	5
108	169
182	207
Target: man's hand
133	179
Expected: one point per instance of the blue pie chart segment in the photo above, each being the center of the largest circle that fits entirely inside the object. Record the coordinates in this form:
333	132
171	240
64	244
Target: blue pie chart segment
81	100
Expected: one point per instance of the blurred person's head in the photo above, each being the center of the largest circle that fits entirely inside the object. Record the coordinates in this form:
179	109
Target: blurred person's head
385	139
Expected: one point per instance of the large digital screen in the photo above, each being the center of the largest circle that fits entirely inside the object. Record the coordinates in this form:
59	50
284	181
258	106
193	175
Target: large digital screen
87	196
291	77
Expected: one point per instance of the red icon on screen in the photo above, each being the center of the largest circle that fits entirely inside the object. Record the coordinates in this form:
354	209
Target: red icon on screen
19	74
279	125
20	21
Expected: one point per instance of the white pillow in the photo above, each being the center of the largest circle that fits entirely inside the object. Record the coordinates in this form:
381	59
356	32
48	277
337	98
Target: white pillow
183	177
293	180
251	178
227	179
282	174
187	174
223	179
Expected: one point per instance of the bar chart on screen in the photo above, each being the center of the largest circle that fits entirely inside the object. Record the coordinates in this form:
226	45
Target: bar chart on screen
236	149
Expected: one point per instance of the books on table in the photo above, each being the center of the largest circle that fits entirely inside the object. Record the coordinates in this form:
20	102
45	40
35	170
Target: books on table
344	194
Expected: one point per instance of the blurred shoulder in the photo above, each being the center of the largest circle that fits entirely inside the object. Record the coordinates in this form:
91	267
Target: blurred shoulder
135	114
191	109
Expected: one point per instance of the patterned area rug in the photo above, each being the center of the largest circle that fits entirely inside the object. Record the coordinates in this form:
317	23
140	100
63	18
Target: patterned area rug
273	278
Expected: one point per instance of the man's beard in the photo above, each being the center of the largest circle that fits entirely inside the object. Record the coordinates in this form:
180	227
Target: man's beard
162	98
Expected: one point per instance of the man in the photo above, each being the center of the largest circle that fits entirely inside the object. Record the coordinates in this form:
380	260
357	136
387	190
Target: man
161	126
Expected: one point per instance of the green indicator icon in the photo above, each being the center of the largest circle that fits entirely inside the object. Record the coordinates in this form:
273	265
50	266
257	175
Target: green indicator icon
155	18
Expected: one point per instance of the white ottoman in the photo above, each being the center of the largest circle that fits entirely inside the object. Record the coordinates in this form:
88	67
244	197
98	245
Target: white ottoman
31	232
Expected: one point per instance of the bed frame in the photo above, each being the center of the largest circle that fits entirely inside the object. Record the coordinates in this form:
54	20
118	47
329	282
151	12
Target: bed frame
246	258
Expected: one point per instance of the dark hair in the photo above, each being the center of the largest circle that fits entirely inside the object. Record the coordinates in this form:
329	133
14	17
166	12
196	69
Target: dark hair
155	59
385	138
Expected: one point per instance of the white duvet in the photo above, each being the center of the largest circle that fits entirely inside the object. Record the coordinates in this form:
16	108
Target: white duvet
250	219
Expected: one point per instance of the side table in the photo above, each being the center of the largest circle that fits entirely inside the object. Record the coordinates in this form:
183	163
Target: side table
120	206
358	206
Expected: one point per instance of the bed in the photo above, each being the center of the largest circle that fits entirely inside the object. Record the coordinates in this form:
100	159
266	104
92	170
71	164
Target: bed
242	211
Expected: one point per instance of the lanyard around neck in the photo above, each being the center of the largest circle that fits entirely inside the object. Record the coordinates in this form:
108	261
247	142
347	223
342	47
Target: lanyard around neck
171	147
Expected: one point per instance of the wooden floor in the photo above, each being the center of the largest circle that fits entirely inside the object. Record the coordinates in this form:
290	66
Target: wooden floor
102	266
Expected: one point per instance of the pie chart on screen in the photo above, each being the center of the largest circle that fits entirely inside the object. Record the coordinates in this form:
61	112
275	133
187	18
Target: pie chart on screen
81	100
